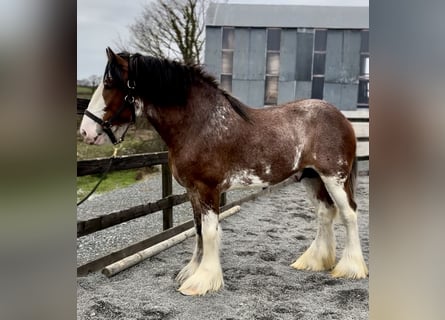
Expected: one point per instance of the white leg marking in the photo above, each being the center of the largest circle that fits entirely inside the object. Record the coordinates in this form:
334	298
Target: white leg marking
208	276
352	264
321	253
193	265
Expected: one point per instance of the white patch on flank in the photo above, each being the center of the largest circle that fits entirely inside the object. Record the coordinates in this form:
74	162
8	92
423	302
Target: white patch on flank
268	169
298	151
245	178
208	276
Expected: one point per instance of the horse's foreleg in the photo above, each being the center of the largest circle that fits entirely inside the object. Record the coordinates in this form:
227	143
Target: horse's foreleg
351	264
207	276
321	253
191	267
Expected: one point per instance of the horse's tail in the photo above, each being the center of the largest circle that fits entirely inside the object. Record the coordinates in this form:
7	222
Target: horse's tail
352	183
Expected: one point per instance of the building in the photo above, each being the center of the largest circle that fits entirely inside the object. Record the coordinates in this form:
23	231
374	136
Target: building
271	54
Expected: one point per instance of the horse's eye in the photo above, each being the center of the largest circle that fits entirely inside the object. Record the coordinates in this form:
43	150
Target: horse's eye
108	82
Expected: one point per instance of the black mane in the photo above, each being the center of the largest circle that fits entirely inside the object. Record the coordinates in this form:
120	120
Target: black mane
169	81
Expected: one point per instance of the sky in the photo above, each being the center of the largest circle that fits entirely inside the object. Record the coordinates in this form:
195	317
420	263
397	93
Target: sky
101	23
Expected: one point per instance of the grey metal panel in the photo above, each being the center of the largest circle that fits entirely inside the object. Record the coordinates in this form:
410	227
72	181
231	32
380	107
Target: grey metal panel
349	97
334	53
256	93
303	90
212	58
240	89
343	56
332	93
290	16
351	56
286	91
305	42
343	96
241	54
287	54
251	92
257	54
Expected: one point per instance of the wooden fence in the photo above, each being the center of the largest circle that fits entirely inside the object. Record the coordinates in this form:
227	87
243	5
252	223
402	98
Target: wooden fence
360	122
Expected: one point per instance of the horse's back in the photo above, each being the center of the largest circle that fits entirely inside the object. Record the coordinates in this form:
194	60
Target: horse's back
312	132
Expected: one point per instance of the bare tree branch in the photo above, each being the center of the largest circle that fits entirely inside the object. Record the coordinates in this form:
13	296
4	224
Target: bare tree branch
171	29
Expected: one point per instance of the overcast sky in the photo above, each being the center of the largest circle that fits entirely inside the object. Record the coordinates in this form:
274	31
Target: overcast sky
100	23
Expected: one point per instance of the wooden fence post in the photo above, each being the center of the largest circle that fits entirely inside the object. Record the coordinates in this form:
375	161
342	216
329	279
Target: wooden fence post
167	190
223	199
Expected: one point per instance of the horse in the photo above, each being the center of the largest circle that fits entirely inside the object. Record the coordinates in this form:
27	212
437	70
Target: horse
215	143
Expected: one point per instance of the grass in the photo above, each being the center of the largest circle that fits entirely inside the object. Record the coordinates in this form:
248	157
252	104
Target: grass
84	92
113	180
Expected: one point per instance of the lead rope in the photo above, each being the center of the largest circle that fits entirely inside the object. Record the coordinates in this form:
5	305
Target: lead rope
102	177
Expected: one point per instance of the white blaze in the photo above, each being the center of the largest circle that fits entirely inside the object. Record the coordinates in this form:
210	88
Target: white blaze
89	128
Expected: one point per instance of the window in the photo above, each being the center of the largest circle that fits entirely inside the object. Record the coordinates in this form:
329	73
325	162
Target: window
272	66
305	41
319	63
363	80
228	43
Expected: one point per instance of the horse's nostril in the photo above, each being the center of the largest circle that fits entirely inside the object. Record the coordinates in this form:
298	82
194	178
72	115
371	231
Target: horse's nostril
83	132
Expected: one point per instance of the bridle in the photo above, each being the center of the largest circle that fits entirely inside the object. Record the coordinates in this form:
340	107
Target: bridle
129	102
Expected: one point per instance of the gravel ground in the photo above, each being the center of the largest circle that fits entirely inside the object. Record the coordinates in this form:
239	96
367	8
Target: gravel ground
258	245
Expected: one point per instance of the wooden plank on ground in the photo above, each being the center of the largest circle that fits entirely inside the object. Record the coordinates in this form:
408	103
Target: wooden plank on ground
101	262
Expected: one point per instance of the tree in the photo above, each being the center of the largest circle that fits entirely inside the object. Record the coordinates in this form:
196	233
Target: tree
171	29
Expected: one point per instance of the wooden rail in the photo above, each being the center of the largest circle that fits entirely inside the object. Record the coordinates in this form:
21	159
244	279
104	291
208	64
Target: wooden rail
98	165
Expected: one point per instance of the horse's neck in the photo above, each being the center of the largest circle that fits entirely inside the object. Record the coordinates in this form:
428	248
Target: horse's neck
177	124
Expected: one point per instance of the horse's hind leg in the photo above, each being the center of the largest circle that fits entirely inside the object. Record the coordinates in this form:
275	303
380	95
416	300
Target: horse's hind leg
205	274
351	264
321	253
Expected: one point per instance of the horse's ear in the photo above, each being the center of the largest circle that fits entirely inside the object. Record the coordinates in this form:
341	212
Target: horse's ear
110	54
112	57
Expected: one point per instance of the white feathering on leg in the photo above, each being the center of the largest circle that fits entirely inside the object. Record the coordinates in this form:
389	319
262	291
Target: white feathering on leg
193	265
351	264
208	276
321	253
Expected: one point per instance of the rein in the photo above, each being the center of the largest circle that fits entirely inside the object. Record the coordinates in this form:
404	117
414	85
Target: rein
104	174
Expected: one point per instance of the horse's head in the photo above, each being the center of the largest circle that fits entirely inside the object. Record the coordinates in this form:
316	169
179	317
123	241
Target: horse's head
113	105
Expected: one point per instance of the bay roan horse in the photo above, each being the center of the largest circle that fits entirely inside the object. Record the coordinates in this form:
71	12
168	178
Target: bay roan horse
215	143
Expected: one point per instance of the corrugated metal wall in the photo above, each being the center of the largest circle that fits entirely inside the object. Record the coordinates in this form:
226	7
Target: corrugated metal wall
340	64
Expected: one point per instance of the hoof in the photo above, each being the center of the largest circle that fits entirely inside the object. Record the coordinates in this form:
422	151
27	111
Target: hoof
188	292
186	272
313	261
350	268
202	282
